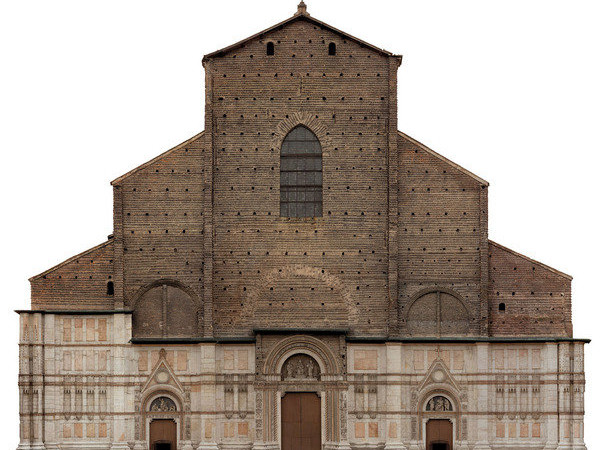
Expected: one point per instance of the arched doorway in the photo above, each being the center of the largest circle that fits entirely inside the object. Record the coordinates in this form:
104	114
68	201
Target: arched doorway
300	411
163	427
439	432
301	364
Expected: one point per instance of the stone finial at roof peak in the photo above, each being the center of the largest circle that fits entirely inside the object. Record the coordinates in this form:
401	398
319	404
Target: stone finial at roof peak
302	8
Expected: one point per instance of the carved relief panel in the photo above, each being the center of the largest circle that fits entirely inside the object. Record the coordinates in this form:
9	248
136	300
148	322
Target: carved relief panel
300	367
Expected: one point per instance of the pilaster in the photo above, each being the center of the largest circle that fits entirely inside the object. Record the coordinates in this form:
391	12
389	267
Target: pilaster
482	435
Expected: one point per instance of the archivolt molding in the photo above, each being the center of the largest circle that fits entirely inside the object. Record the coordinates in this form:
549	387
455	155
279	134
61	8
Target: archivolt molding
309	345
301	118
417	295
165	391
169	282
299	270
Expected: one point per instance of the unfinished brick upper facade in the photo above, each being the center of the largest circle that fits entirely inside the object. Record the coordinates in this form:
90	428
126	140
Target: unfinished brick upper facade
395	286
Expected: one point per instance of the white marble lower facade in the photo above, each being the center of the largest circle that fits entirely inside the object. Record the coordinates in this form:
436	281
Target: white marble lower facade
85	385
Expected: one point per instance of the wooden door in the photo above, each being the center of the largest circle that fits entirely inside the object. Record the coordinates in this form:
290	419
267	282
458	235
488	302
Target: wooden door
301	421
439	434
163	434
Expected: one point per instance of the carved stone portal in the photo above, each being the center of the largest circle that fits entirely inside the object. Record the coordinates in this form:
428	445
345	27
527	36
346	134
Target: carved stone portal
300	367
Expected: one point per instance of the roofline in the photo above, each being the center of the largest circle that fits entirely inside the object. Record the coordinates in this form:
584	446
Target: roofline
531	260
117	181
72	258
300	16
443	158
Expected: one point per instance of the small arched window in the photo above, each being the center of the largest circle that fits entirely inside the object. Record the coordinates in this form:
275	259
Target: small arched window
332	48
301	176
110	288
502	307
270	48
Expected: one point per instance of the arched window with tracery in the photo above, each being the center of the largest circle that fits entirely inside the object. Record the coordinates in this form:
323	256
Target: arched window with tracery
301	174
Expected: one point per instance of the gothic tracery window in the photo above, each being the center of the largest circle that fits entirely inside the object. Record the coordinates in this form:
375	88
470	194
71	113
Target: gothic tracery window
301	176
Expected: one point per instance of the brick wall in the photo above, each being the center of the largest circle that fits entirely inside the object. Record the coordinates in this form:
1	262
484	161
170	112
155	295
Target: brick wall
161	224
398	218
78	283
537	298
253	101
442	230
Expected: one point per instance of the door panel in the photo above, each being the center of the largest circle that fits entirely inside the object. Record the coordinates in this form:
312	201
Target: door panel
439	434
301	421
163	434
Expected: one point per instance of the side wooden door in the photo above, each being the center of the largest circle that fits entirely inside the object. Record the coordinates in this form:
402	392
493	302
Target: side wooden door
301	421
163	434
439	434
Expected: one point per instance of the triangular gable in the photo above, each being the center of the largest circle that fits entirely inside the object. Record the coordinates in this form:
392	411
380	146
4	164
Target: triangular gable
71	259
531	260
117	181
300	15
443	158
438	375
162	375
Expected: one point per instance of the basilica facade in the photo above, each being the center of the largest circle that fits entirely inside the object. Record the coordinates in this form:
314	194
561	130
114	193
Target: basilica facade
300	275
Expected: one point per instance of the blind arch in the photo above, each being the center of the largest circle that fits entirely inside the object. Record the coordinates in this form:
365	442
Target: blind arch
438	313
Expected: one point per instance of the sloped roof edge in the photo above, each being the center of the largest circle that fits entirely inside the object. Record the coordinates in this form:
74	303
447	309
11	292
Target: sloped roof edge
295	17
531	260
443	158
118	180
71	259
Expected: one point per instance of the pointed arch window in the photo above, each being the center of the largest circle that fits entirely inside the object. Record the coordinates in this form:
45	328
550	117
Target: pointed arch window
301	175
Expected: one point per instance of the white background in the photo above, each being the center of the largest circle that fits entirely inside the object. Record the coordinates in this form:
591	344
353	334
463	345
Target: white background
509	89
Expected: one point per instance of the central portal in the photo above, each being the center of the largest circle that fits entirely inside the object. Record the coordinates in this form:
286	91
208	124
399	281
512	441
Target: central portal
301	421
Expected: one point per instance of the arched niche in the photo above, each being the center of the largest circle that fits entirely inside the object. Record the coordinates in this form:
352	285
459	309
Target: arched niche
165	309
438	313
